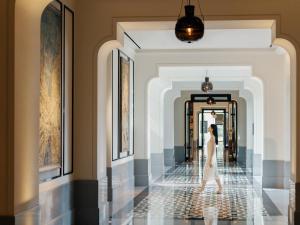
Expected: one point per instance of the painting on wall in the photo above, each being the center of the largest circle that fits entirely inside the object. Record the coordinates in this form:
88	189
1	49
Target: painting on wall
124	103
50	148
125	97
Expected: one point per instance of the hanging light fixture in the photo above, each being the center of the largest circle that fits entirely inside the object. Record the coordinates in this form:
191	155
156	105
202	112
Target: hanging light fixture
213	113
189	28
210	100
207	85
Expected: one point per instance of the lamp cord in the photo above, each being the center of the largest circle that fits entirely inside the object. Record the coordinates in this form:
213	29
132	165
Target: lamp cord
180	10
189	2
200	10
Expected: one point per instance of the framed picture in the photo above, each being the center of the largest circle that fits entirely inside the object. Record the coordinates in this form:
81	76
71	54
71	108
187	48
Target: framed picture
123	105
51	93
56	92
125	134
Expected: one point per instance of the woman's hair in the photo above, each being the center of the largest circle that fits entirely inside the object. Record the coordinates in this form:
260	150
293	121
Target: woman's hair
215	132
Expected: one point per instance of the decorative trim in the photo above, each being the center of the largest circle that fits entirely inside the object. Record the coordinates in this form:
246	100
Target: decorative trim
126	34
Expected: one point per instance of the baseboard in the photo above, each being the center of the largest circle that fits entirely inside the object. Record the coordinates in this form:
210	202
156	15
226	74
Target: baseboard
7	220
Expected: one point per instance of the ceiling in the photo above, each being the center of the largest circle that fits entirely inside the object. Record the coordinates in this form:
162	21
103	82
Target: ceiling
218	35
213	39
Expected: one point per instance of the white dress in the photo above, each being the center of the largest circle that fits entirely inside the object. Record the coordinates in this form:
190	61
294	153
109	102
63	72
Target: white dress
211	173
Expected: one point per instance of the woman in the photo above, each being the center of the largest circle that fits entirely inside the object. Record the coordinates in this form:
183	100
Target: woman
211	167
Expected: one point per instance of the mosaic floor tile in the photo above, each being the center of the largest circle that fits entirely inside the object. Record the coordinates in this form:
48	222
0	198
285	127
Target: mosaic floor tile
177	195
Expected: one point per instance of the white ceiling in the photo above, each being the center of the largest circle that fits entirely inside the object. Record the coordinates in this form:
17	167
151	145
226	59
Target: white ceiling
218	35
213	39
197	73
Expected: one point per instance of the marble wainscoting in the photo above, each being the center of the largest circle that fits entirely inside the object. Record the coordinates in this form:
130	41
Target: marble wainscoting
142	172
56	207
179	153
257	165
169	157
157	165
79	202
121	185
249	158
242	155
276	174
245	159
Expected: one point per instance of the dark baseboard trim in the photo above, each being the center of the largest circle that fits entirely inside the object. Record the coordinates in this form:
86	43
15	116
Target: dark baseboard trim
86	202
7	220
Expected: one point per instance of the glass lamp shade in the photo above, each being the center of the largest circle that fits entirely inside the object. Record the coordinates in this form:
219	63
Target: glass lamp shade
207	85
189	28
210	100
213	113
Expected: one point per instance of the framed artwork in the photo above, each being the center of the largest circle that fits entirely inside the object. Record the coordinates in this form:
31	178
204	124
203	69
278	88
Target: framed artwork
123	101
51	137
125	97
56	92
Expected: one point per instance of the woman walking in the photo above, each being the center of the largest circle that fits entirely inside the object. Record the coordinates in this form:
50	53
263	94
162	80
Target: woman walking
211	167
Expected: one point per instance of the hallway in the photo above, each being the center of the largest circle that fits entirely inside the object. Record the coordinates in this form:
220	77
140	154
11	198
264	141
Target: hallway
175	199
105	108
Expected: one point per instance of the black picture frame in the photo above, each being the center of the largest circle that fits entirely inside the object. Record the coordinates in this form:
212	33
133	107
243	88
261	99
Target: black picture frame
68	10
63	10
118	148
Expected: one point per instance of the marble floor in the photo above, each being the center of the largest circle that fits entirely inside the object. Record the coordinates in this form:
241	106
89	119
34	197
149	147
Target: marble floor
175	199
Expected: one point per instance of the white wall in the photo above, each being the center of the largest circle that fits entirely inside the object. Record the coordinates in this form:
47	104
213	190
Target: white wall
242	122
266	64
155	114
168	117
247	95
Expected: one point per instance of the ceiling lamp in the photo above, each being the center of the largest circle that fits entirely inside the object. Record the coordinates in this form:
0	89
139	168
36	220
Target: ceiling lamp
210	100
207	85
189	28
213	113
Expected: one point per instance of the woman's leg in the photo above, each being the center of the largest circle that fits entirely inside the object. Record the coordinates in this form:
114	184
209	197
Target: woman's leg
220	188
203	185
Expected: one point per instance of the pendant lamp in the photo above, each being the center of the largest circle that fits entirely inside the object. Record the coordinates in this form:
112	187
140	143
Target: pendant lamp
210	100
207	85
189	28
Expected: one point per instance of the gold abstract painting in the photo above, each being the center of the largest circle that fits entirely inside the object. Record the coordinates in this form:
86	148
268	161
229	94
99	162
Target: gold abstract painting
124	103
50	90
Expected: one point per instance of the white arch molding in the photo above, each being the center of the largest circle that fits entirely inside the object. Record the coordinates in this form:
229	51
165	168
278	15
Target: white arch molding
168	123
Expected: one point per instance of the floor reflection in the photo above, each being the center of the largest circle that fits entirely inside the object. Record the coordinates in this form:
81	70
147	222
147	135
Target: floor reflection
210	215
175	199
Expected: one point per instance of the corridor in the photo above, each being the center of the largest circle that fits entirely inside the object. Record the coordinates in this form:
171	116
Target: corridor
175	199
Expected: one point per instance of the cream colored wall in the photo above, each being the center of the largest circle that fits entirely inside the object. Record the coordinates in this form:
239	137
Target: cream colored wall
26	101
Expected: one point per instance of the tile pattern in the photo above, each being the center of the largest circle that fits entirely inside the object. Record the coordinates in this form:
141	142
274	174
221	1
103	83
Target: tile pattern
177	195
